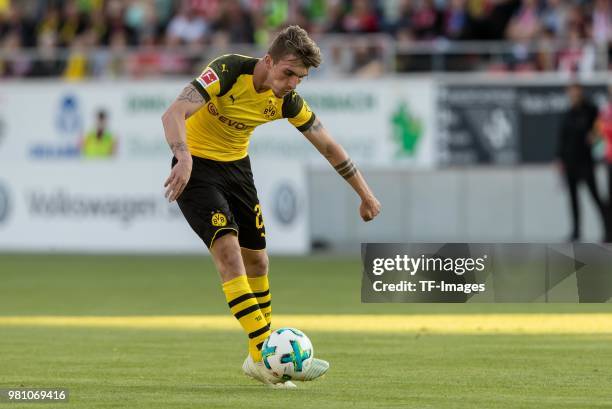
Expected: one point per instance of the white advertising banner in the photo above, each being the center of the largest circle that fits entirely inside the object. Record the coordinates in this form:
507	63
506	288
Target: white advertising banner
381	123
112	206
386	122
52	196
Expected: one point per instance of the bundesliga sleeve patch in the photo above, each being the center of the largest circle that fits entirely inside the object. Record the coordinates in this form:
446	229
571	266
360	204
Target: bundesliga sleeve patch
207	78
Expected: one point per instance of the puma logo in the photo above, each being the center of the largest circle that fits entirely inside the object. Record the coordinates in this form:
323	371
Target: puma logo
232	98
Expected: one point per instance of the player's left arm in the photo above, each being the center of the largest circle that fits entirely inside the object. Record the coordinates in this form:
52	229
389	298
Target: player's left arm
340	160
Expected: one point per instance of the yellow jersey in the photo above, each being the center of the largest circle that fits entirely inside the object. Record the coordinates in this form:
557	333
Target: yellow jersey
222	128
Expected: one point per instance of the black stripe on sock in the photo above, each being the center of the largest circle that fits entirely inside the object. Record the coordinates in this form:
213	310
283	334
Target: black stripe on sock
260	331
265	305
262	294
246	311
259	346
240	299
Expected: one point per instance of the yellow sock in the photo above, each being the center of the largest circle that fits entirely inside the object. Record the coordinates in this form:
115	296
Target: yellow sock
261	288
244	306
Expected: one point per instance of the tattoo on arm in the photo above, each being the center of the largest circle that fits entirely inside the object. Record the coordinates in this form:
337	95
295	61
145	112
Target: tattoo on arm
316	126
190	94
346	169
178	147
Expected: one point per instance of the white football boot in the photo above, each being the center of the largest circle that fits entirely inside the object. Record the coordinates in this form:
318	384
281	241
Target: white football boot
317	369
257	371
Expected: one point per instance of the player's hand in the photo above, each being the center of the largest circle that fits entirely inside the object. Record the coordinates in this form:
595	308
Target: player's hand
369	209
179	176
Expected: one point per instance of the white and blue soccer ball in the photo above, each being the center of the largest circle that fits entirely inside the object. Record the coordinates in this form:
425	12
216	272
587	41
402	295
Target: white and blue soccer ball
286	352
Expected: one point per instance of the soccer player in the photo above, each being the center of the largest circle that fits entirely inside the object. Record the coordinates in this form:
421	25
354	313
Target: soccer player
208	128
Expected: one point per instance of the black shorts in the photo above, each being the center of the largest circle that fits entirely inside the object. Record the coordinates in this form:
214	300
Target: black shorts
221	198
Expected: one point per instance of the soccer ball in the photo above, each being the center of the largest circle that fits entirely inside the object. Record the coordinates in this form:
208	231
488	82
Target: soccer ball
287	351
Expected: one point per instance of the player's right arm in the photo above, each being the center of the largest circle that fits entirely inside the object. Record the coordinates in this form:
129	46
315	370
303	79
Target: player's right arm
185	105
214	80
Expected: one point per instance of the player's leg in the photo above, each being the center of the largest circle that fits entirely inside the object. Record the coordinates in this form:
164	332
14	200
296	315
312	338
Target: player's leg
243	304
238	294
256	266
205	206
571	179
245	207
589	178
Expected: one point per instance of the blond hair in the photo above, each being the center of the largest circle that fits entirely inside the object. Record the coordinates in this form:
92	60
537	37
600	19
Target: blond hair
294	40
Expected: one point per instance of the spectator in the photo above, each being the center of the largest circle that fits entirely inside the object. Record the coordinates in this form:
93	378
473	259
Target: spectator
47	62
523	28
115	20
49	24
99	29
456	20
426	20
554	17
141	19
575	159
209	10
14	64
72	24
186	28
525	25
115	61
601	22
546	55
335	17
76	64
361	19
402	26
235	24
578	56
13	22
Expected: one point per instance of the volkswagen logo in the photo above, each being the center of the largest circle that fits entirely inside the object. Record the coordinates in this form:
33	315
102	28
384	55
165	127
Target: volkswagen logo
285	204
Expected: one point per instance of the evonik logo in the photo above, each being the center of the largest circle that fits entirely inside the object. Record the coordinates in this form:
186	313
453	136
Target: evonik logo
212	109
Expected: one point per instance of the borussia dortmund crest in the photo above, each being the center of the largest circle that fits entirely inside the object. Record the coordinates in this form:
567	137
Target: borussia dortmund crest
219	220
270	110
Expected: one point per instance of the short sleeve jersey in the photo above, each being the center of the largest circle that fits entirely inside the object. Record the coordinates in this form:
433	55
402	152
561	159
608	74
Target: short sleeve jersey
222	128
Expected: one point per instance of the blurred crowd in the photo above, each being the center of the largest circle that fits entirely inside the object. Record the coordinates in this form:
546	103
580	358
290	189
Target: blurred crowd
79	38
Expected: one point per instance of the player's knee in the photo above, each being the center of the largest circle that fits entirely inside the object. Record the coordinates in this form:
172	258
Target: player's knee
258	265
227	256
230	262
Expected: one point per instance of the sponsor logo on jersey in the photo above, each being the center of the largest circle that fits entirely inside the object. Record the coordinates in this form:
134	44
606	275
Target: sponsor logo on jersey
219	220
207	77
212	109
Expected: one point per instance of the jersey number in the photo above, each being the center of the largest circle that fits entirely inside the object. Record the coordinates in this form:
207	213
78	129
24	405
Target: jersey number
258	217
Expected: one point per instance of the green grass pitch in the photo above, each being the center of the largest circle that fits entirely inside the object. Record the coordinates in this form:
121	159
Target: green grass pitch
111	367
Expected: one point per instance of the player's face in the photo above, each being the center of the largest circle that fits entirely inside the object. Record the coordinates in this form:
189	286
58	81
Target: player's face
285	74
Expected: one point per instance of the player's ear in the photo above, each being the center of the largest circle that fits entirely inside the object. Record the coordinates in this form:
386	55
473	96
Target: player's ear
269	61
